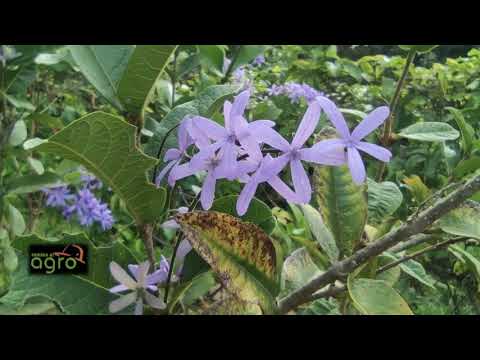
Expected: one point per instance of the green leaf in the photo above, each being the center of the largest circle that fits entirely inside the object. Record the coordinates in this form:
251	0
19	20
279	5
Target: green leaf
20	103
32	183
430	131
472	262
463	221
15	220
36	165
106	146
422	49
320	232
383	200
419	190
206	104
76	294
414	269
390	276
466	167
42	308
376	297
212	55
343	204
468	133
241	254
19	133
145	66
247	53
298	270
103	66
258	213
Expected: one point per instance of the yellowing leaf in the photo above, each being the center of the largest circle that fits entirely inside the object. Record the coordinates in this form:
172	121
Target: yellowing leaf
241	254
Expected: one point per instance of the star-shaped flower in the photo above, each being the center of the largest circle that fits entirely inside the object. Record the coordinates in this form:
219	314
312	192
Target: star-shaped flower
351	142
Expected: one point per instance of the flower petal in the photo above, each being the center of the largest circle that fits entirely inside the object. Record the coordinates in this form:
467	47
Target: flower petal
142	272
118	288
208	191
133	268
170	224
164	172
139	307
372	121
327	152
283	190
154	301
307	125
172	154
209	127
301	182
184	139
274	139
197	163
183	249
240	104
355	163
227	109
122	302
228	163
378	152
246	196
335	116
180	172
121	276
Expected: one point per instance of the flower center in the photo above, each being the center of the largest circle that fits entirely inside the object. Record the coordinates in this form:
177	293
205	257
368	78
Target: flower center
295	154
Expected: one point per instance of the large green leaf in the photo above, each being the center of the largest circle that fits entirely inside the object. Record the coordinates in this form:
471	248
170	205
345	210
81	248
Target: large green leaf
103	66
145	66
106	146
463	221
76	294
343	204
246	54
468	133
258	213
241	254
376	297
321	232
206	104
212	55
383	200
412	268
430	131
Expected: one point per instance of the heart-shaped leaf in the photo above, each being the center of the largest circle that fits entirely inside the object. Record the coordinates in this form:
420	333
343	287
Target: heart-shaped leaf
106	146
383	200
463	221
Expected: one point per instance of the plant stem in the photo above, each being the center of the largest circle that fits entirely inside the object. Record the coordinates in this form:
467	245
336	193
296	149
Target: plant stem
173	76
410	228
160	149
388	127
179	239
234	58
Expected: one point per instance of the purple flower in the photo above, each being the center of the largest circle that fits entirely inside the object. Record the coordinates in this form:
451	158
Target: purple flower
259	60
295	153
352	142
175	156
139	287
89	210
91	182
236	130
295	92
57	197
267	171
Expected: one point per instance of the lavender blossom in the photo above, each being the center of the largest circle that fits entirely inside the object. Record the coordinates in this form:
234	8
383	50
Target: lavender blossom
175	156
352	142
259	60
90	181
295	92
89	210
57	197
294	153
139	287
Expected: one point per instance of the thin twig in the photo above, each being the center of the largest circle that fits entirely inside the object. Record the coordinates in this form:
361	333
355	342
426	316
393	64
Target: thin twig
410	228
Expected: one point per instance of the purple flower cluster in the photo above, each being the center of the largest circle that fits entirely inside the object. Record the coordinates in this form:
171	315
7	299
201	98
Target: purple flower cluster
87	208
234	151
295	92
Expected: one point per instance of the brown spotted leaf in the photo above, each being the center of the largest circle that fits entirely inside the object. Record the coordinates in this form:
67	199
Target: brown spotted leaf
242	255
233	306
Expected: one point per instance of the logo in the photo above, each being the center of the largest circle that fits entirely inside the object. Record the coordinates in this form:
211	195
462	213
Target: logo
58	259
